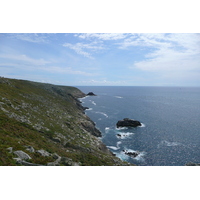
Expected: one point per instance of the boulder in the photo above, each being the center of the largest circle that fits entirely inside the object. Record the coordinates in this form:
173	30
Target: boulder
43	153
10	149
30	148
126	122
22	155
132	154
91	94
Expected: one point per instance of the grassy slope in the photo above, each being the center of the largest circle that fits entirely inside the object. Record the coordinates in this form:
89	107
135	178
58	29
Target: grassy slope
47	117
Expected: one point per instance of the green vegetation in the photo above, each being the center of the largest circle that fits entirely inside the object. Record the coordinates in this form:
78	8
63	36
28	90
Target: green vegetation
47	117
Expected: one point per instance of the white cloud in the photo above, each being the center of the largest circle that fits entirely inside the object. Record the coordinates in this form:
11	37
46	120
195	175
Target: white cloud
79	48
102	36
170	52
30	37
24	59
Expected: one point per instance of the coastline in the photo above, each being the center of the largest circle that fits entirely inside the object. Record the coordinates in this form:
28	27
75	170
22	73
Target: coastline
50	127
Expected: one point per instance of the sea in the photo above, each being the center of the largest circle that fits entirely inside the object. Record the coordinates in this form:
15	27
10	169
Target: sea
170	117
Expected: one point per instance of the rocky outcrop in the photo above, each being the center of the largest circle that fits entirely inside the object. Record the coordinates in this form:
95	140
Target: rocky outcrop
126	122
91	94
90	127
132	154
22	155
43	153
192	164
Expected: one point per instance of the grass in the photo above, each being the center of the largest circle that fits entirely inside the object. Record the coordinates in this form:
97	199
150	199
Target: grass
33	114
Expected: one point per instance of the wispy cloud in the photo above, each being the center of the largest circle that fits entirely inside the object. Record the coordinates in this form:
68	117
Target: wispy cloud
102	36
80	48
30	37
24	59
170	52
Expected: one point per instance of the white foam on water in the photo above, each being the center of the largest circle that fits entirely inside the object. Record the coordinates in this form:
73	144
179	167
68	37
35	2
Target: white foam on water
124	135
118	143
143	125
83	97
112	147
103	114
121	128
119	97
139	157
115	148
168	144
89	109
93	102
122	155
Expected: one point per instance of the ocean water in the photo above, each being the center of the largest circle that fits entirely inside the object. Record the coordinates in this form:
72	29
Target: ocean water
170	131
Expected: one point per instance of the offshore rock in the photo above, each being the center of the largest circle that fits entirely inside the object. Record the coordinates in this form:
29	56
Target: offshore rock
91	94
126	122
131	153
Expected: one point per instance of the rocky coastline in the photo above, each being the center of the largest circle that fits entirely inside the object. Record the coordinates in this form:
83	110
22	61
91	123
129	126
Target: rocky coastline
45	124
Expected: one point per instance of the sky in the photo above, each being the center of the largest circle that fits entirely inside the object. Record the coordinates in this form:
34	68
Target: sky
102	59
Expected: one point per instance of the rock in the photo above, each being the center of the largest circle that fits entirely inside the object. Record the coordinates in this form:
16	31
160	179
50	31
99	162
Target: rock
43	153
126	122
22	155
10	149
25	163
30	148
91	94
55	163
69	162
131	153
56	139
192	164
90	127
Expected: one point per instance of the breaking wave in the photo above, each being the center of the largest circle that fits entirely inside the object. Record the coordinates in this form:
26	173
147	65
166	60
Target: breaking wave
102	113
115	148
93	102
124	135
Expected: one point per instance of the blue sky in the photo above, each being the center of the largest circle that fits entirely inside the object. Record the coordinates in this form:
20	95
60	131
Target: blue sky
118	59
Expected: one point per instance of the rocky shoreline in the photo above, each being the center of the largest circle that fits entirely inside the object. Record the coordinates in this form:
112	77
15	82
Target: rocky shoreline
45	124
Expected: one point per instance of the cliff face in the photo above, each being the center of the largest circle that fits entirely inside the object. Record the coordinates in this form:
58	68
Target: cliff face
44	124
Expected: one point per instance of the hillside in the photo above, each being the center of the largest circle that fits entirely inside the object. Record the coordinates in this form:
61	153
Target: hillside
45	124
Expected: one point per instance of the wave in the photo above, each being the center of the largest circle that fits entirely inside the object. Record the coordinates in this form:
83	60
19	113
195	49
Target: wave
119	97
102	113
121	128
124	135
89	109
93	102
115	148
83	98
143	125
168	144
139	157
112	147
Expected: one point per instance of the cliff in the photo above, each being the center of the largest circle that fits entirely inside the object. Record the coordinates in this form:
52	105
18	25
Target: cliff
45	124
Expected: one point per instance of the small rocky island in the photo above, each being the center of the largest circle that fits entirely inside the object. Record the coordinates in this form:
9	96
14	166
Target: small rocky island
126	122
132	154
91	94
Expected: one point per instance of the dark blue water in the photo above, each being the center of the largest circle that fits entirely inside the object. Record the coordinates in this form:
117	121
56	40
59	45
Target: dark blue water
170	132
